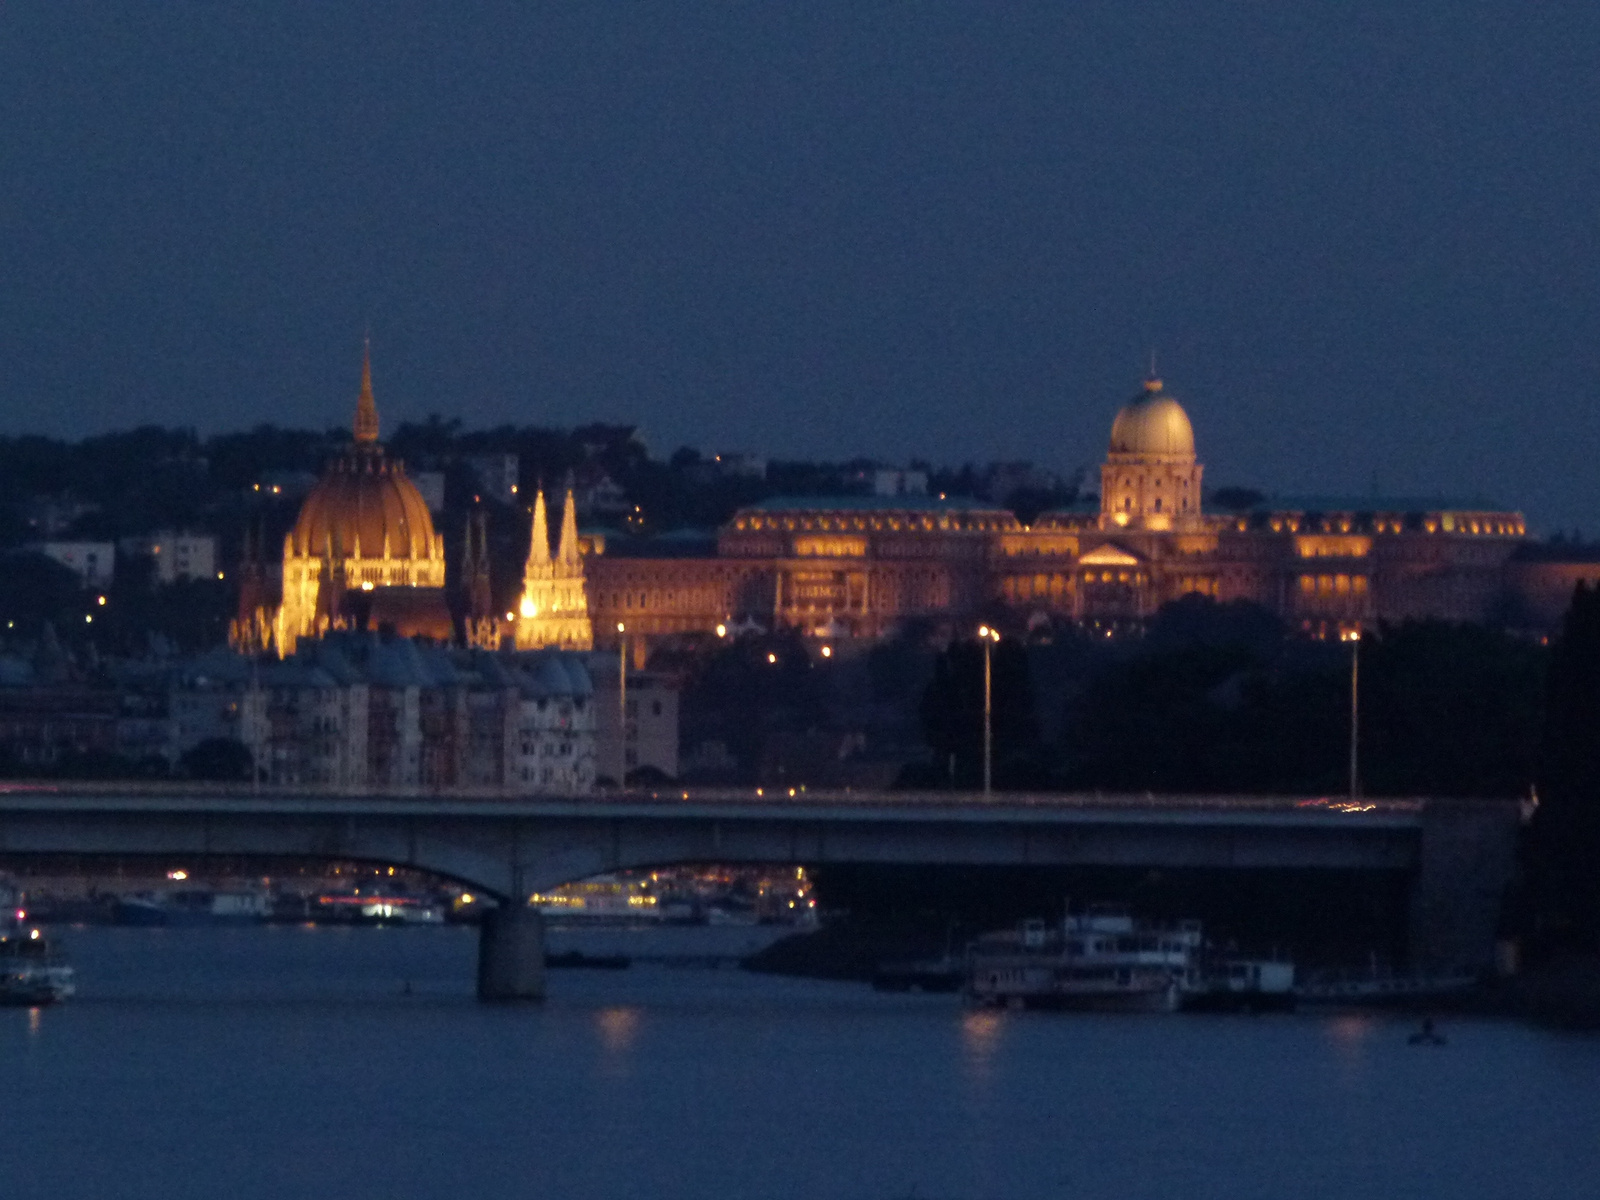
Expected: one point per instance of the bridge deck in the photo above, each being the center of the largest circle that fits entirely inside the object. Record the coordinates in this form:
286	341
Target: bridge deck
726	804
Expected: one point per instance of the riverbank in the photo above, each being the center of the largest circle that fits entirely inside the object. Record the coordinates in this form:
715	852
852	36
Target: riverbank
1561	993
851	949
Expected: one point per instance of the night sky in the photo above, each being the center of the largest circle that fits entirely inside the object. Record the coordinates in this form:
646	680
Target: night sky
1360	237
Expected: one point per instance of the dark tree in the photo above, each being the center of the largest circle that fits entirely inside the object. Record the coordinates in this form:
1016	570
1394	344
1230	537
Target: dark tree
35	589
744	693
1565	838
952	717
1449	710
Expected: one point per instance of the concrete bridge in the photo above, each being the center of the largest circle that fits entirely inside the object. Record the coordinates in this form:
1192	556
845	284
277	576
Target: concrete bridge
1457	854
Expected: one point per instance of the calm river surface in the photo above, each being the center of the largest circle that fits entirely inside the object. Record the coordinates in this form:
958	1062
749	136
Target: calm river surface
290	1062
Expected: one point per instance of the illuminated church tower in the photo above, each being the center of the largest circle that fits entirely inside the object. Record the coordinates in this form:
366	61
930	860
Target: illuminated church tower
554	610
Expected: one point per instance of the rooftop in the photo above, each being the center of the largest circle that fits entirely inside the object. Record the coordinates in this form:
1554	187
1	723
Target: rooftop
862	503
1558	552
1379	504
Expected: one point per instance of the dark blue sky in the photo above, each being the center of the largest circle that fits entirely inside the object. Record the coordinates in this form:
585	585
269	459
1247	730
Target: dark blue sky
1361	237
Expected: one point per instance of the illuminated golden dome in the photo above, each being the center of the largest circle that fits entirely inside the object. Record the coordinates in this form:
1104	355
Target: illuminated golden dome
364	507
1153	423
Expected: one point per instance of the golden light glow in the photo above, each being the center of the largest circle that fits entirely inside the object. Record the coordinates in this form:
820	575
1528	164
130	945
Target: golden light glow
366	585
529	608
618	1027
827	652
772	658
621	628
830	547
1315	546
722	630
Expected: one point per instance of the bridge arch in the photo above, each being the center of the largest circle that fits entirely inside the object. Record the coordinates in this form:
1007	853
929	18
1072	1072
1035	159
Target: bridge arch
1459	853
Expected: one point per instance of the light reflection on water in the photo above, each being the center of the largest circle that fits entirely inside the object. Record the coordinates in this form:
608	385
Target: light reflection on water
618	1025
980	1036
290	1062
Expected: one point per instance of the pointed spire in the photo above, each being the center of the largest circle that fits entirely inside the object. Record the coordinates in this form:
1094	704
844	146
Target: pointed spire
568	550
366	427
539	545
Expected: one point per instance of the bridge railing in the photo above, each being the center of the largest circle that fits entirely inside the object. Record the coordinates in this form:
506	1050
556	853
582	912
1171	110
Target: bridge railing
730	796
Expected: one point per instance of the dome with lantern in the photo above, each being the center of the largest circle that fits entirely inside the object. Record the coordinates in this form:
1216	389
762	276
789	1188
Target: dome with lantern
1153	425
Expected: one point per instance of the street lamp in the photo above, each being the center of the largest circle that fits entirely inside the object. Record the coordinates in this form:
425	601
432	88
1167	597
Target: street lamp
622	704
1354	638
989	637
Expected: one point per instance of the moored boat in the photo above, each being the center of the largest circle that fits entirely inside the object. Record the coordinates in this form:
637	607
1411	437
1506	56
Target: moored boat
378	907
1102	961
1382	988
1242	985
32	970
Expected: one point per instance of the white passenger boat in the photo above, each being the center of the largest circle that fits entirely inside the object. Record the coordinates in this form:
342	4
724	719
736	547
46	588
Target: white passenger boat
1101	961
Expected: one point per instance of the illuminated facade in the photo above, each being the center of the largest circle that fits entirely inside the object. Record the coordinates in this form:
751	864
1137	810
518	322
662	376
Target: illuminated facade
554	608
858	566
1151	479
362	554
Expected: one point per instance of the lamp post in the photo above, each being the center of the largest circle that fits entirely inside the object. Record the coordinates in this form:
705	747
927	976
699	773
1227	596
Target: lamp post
989	637
622	705
1354	638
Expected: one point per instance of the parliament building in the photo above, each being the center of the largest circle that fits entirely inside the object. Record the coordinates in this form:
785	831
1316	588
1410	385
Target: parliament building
364	553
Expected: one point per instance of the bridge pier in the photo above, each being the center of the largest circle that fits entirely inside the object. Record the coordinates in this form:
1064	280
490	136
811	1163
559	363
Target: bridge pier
1468	854
511	954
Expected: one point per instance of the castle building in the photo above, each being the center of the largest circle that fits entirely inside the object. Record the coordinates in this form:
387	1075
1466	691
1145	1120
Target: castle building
362	554
554	608
859	566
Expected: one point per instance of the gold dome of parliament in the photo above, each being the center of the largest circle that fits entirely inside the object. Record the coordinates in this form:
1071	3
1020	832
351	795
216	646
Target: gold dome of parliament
364	506
1153	424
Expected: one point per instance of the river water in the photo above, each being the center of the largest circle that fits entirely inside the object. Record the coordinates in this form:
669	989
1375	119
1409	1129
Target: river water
354	1063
